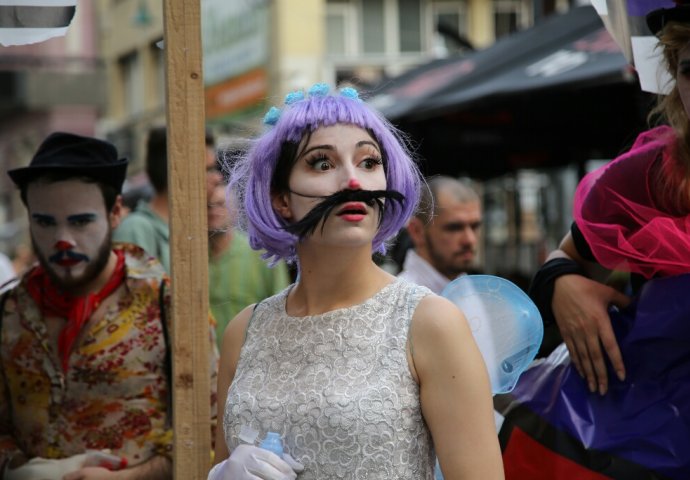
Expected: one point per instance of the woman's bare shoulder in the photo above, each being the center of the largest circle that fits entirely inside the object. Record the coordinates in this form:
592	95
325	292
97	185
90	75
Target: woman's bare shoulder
437	313
236	330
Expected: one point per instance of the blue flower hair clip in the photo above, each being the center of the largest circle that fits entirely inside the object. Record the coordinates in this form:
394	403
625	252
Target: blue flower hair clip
293	97
272	116
316	90
319	90
350	92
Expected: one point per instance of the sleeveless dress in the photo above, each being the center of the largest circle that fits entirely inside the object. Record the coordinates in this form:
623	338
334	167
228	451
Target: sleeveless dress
336	387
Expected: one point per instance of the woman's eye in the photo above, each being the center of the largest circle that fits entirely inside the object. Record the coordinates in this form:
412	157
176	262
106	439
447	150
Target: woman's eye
319	163
371	163
684	68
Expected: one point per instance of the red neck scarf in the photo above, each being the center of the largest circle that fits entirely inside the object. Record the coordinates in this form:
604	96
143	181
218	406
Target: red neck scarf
76	310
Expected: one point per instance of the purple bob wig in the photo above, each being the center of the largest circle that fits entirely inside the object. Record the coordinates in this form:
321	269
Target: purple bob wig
252	173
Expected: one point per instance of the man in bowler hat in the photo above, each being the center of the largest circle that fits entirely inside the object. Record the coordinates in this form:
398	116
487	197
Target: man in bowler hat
84	351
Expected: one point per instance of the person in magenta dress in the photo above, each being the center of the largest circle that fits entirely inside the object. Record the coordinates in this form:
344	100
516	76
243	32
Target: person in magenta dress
611	401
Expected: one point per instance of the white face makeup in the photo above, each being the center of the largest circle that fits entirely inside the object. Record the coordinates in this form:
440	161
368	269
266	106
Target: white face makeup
70	230
330	160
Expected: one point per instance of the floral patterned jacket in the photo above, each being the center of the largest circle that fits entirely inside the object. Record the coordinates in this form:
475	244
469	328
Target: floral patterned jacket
115	393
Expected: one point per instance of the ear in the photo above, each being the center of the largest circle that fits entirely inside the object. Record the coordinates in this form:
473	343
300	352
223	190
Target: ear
415	228
281	204
116	214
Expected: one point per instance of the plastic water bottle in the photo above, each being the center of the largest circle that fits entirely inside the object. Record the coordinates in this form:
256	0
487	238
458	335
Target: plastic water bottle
273	443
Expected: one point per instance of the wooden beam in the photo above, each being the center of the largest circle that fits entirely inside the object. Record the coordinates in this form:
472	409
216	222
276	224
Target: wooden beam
188	239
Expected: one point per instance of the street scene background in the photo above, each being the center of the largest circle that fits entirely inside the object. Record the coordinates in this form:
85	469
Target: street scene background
521	97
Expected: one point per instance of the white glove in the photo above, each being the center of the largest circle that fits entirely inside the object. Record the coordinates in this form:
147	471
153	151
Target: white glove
39	468
248	462
45	469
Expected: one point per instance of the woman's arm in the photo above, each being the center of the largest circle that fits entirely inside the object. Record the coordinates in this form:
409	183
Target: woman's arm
455	391
233	339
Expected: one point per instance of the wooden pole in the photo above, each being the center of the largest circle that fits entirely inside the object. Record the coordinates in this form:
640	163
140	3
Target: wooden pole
188	239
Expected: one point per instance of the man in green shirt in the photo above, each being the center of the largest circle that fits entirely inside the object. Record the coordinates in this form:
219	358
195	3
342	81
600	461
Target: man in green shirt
147	225
237	275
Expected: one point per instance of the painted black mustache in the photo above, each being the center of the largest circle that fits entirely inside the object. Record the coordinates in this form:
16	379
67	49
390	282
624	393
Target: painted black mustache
68	255
320	212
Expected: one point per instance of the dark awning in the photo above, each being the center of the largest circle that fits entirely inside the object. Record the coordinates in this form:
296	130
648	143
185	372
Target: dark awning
572	50
557	93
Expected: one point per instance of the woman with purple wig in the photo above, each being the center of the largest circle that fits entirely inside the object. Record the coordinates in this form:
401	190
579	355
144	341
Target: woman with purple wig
360	374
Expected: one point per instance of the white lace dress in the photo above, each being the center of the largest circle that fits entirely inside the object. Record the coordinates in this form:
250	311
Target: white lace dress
337	388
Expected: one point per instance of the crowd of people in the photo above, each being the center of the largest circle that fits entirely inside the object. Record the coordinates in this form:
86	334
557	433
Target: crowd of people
357	372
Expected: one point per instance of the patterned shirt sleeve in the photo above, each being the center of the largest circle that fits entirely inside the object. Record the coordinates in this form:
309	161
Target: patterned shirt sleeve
8	445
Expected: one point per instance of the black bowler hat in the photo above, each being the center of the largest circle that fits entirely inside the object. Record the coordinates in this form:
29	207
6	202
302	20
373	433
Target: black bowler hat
656	19
70	153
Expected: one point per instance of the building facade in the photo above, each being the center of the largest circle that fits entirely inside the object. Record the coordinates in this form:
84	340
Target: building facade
106	77
255	51
130	34
58	84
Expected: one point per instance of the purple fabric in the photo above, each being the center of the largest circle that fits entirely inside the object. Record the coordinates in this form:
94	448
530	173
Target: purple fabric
646	418
640	8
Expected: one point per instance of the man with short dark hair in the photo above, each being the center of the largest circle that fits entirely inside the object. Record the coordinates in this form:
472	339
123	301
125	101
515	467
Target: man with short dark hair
84	353
147	226
445	234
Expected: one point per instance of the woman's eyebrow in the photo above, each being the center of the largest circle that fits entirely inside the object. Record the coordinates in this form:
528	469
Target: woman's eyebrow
359	144
316	147
368	142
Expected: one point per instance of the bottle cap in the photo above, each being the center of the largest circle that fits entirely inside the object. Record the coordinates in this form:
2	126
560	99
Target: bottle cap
273	443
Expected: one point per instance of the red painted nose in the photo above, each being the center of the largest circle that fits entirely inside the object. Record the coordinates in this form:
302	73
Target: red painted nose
354	184
62	246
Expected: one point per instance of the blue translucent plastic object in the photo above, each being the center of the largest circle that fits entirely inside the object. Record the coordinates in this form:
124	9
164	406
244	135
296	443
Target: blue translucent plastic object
506	325
273	443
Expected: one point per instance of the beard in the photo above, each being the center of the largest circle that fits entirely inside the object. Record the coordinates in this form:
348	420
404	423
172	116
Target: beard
93	269
448	265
